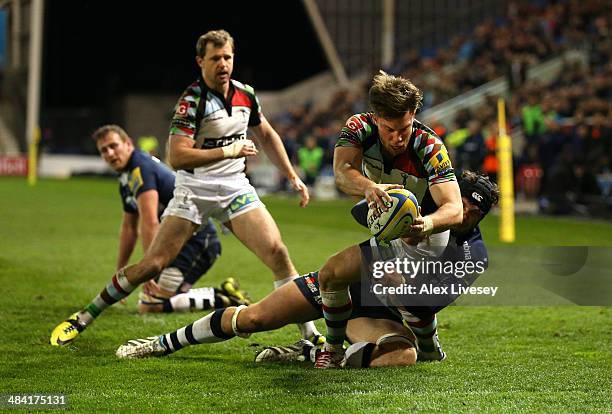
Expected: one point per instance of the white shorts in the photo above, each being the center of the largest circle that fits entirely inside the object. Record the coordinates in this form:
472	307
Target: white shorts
220	197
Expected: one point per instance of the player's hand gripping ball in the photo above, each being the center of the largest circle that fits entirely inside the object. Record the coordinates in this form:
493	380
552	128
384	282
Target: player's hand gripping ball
393	223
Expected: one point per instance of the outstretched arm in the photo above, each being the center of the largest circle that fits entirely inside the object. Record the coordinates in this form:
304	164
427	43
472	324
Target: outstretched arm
272	144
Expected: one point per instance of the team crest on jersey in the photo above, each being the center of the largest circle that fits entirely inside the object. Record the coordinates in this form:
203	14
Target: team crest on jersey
182	108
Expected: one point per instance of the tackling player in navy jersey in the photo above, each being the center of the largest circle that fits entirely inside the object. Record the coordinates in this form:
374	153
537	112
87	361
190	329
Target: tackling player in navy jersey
377	333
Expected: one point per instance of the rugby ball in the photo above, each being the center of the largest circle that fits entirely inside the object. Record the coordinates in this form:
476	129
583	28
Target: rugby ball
393	223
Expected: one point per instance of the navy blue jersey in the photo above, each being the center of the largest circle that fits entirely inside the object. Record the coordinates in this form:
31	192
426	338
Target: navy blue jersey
467	248
143	173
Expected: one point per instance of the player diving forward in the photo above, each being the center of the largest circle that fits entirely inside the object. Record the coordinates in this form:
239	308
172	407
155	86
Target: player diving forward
377	334
377	151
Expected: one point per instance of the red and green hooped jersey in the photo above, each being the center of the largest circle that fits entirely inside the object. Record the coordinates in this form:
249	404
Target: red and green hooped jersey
205	116
425	162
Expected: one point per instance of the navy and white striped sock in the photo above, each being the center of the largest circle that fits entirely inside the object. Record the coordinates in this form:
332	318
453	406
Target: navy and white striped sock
206	330
194	300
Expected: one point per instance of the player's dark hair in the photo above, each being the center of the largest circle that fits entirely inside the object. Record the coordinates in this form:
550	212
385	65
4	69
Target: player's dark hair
107	129
217	37
391	97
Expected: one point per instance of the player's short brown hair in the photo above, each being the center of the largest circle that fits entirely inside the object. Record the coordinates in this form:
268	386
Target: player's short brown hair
217	37
107	129
391	97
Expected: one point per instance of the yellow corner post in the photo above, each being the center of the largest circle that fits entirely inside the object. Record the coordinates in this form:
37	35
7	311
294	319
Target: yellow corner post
505	177
33	157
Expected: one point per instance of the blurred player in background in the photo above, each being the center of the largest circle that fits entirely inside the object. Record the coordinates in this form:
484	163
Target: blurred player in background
208	146
377	333
145	187
377	151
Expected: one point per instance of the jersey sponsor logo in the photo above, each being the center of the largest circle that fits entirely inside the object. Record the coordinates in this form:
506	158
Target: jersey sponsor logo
221	142
135	180
314	289
310	282
210	119
353	124
242	201
441	161
182	108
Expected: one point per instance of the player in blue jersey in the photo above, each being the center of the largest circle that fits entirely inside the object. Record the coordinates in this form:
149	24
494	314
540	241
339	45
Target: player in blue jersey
377	333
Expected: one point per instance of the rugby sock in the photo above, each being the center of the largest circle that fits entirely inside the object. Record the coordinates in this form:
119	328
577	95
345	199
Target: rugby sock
359	355
308	330
337	308
170	280
425	330
118	288
206	330
194	300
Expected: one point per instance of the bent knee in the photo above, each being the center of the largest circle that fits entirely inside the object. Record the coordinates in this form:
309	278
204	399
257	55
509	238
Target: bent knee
251	320
150	267
328	278
279	252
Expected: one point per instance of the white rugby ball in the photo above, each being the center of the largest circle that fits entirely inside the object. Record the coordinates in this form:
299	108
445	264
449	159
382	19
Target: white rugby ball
393	223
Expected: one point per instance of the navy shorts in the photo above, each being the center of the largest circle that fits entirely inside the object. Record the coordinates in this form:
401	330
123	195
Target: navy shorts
198	254
309	286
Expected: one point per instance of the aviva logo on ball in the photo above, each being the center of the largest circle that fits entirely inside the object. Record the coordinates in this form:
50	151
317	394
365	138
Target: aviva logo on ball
391	224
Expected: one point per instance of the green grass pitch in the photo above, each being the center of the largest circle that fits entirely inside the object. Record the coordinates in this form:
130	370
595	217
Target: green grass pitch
58	244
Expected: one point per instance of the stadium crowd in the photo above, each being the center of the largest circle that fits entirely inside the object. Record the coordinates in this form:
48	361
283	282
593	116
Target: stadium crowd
566	159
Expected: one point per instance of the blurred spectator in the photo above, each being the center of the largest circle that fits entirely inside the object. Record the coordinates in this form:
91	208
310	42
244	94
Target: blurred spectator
516	70
311	157
566	120
489	165
470	154
150	145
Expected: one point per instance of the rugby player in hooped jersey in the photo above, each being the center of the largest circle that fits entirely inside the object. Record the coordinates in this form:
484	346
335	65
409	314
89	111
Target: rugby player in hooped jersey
377	151
208	145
